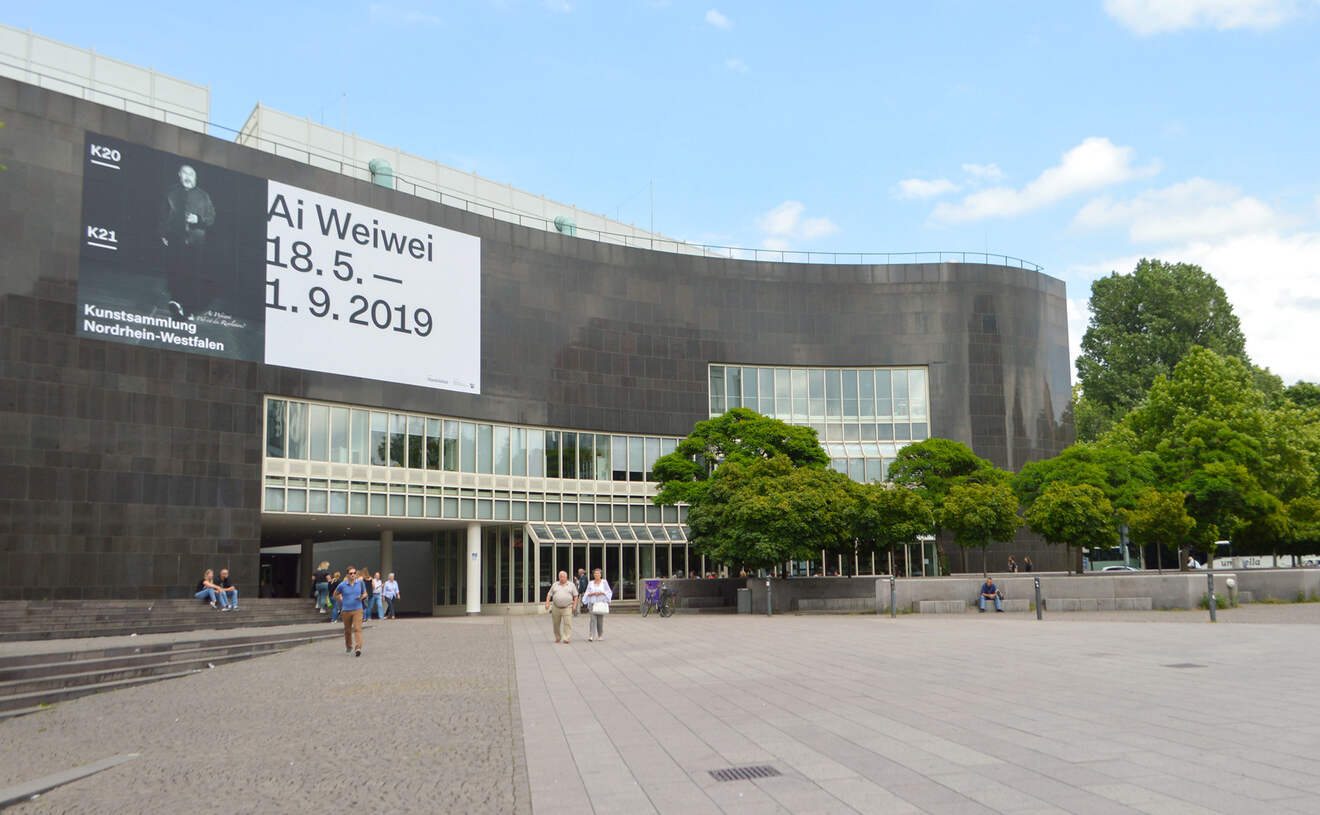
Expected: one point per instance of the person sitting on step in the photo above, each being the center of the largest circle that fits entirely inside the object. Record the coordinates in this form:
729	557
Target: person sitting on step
207	589
989	591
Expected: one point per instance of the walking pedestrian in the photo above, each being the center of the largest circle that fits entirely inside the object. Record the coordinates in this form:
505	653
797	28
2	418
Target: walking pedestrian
391	592
321	580
1026	563
349	594
366	594
561	601
334	609
1012	564
581	586
597	600
377	596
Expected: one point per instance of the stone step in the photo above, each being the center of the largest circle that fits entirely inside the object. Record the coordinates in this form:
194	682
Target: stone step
940	607
38	665
1098	604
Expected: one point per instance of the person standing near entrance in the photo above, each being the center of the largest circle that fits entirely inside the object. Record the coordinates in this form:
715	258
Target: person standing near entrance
391	592
561	601
349	597
597	600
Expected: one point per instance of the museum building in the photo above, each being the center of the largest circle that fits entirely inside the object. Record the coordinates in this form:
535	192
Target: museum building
427	373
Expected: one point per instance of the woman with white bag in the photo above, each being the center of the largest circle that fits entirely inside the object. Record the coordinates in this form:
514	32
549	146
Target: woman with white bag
598	599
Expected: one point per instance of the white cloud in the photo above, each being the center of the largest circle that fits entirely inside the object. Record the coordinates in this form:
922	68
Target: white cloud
1095	163
718	20
736	65
1189	210
1148	17
988	172
921	188
394	15
784	224
1079	316
1272	280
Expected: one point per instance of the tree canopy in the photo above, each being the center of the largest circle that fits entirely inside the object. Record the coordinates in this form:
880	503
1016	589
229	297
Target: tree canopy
1077	515
1142	325
979	514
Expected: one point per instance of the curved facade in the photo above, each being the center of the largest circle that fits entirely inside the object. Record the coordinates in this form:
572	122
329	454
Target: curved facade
125	470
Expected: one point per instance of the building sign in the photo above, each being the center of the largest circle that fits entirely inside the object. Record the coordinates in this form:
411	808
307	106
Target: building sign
183	255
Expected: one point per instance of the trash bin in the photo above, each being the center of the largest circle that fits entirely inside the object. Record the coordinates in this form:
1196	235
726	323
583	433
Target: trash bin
744	601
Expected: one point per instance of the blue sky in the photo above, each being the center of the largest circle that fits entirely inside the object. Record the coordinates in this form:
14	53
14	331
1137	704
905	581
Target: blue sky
1080	135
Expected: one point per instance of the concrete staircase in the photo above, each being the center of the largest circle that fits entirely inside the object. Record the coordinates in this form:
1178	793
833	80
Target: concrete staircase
56	619
32	682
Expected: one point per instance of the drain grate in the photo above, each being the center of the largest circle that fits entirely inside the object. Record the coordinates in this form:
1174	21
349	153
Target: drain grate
1185	665
745	773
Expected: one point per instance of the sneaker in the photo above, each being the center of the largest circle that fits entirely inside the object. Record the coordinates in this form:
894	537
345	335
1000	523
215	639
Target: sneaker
358	652
321	611
212	604
999	610
234	607
348	651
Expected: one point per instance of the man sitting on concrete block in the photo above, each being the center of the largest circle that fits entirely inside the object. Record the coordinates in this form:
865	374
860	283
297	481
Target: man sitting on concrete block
989	591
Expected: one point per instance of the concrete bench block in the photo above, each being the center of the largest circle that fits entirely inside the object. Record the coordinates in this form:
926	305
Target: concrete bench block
940	607
842	604
1133	604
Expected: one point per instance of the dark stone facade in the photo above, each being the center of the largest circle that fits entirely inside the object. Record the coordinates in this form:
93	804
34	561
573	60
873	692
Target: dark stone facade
125	471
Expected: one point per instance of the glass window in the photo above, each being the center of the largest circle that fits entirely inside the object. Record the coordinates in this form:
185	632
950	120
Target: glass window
432	444
652	453
518	451
619	457
883	407
716	390
379	439
917	394
552	454
783	395
586	455
358	438
799	378
900	395
467	448
866	395
297	432
275	499
884	432
636	513
602	458
398	437
357	503
416	442
451	446
850	396
297	501
275	413
339	503
918	431
767	391
668	446
569	454
635	458
500	451
733	386
833	394
873	471
339	435
536	453
816	395
483	448
749	398
318	428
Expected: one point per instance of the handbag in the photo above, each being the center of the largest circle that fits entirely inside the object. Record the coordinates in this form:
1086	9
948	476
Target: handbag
600	607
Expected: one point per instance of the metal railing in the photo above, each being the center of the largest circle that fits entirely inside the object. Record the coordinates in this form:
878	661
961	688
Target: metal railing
340	164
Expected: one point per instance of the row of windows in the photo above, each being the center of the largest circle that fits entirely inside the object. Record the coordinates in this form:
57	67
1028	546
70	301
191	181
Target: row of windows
302	430
822	396
591	533
339	497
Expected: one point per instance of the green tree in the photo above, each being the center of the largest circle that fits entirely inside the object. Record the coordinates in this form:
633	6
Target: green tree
1142	324
934	466
883	515
978	514
1161	520
737	436
1303	394
1076	515
767	511
1118	472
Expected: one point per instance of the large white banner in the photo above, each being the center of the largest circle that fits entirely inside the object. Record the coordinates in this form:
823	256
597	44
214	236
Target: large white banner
363	292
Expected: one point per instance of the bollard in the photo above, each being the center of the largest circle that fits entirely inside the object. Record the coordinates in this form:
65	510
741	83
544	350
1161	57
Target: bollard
1210	590
893	612
768	604
1037	582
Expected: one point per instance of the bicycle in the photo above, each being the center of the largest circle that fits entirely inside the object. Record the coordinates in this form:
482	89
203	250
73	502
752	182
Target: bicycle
659	599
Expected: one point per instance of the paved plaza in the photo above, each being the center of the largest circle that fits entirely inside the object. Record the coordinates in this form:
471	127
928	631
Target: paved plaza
1082	713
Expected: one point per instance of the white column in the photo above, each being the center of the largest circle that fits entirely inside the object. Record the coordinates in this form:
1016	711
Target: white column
474	568
386	553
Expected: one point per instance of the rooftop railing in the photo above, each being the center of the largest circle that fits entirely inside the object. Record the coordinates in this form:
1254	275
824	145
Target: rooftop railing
340	164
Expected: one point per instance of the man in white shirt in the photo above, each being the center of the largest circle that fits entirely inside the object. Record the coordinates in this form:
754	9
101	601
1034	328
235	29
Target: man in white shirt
561	601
